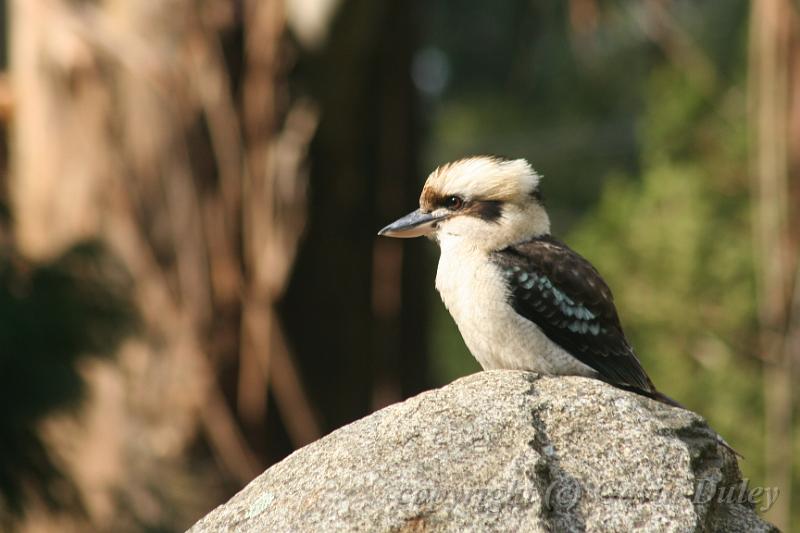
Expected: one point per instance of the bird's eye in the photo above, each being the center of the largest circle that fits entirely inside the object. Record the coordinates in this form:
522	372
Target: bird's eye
454	203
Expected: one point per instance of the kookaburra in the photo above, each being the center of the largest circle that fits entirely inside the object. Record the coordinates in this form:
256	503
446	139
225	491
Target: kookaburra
521	298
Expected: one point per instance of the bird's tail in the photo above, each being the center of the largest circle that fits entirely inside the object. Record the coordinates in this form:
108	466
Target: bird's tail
652	393
663	398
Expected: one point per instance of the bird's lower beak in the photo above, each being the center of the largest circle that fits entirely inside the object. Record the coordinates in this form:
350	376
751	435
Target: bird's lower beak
414	224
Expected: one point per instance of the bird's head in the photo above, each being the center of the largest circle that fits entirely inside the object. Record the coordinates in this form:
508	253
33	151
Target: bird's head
482	202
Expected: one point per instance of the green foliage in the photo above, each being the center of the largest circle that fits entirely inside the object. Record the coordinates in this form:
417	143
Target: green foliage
677	248
51	316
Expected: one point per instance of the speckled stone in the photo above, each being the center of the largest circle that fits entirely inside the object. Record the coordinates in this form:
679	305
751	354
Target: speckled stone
502	451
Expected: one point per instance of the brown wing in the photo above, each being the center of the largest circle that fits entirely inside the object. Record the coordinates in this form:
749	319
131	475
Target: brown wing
563	294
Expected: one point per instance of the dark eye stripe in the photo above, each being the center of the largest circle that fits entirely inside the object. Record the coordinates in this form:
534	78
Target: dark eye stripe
488	210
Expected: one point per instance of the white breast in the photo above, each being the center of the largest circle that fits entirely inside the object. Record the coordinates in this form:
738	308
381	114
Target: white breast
474	291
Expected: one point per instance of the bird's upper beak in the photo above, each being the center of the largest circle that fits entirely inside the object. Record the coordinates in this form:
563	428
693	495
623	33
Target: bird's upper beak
414	224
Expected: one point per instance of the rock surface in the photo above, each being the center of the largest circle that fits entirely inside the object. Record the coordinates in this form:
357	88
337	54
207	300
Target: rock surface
503	451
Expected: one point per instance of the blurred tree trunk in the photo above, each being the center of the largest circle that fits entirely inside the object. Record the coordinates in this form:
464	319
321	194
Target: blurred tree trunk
70	182
128	131
355	308
775	126
171	132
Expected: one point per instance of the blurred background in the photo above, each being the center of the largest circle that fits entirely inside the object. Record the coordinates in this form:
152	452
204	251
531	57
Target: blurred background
190	283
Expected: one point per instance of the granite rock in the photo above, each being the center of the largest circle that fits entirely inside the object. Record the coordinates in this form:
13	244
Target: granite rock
504	451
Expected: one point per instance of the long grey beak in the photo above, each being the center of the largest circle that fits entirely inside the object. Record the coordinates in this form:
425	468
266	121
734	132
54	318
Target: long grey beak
414	224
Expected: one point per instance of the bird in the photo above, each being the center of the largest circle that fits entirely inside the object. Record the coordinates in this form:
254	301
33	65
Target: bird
521	298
